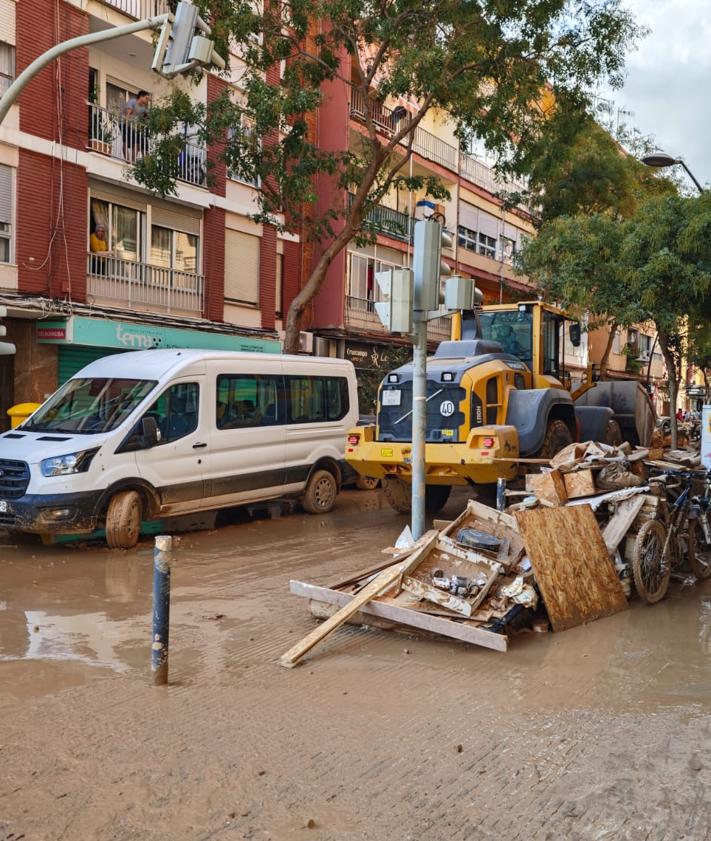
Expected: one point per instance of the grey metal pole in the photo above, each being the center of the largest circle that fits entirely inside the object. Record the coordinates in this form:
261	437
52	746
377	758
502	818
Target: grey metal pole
419	423
43	60
500	494
162	555
691	175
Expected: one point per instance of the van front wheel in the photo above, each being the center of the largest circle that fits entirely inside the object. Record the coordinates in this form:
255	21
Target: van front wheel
123	520
320	494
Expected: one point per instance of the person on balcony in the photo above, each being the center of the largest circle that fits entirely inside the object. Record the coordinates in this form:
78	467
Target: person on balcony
135	131
99	246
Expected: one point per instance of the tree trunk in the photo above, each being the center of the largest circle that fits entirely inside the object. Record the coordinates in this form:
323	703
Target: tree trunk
313	285
673	384
606	353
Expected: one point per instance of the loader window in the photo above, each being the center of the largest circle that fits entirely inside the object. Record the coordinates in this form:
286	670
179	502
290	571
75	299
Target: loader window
512	329
551	344
492	399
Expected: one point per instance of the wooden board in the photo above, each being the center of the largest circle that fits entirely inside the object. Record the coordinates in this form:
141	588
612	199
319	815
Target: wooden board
382	582
620	523
387	609
557	488
573	569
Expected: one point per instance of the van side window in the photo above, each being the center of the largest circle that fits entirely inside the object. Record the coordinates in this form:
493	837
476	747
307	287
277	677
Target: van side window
336	398
316	399
176	411
247	400
305	399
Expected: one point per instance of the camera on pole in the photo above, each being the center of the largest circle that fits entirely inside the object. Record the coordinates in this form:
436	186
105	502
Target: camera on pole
184	43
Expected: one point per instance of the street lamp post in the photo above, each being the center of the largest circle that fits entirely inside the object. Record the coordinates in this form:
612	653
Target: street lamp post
661	160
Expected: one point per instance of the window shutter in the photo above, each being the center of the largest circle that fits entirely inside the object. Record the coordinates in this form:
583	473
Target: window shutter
241	267
6	194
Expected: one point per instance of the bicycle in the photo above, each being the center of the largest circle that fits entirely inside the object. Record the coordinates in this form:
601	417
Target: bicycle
684	530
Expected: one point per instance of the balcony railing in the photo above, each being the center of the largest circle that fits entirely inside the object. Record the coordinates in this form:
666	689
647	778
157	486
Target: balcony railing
360	315
112	134
141	285
385	220
139	9
433	148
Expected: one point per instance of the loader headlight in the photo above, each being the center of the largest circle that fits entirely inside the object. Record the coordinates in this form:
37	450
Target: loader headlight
70	463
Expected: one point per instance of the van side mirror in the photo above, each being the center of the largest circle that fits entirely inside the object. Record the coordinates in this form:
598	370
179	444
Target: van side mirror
574	333
149	432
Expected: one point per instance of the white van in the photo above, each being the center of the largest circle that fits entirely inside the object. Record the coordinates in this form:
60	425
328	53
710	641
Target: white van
157	433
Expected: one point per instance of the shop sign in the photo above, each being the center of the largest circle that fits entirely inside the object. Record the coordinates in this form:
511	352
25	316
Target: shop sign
126	335
366	356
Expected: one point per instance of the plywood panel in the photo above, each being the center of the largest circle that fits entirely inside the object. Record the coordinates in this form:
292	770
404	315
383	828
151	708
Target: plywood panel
571	563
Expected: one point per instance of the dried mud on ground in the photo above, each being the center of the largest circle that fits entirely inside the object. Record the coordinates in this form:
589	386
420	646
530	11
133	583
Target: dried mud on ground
601	732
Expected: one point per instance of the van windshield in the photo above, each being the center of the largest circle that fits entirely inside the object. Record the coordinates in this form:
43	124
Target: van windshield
89	406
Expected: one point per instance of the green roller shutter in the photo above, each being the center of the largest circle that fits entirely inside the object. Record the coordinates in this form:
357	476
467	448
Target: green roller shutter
72	358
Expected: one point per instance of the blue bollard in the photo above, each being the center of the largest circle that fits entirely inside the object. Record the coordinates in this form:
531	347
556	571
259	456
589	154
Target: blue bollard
162	554
500	494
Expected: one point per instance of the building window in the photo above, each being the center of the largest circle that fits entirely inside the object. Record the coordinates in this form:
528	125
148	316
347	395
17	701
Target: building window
7	66
123	226
508	249
241	267
247	131
174	249
6	204
363	290
477	242
279	290
487	246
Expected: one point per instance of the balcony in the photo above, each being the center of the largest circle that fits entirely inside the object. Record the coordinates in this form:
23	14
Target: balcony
141	286
360	315
110	134
139	9
432	148
385	220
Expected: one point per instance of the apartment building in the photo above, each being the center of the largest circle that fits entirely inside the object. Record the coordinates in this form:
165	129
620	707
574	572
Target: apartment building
486	234
191	270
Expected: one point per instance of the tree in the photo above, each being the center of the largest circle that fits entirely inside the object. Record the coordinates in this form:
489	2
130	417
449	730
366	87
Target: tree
654	267
587	171
575	260
482	62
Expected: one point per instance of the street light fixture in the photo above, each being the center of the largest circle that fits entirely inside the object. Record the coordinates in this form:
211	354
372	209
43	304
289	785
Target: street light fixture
661	160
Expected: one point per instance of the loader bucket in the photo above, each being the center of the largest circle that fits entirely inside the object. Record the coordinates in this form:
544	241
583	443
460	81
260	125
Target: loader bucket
631	404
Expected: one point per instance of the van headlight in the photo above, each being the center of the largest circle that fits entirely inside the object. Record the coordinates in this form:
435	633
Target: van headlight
70	463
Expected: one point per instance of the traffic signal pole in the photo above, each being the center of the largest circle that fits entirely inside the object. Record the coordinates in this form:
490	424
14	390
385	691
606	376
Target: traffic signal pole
419	422
16	88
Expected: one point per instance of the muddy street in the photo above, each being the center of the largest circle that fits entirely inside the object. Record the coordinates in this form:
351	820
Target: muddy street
601	732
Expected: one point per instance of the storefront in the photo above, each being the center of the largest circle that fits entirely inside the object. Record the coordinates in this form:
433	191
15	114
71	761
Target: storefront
82	340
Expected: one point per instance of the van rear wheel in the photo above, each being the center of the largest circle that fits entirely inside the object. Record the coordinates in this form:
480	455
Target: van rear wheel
321	492
123	520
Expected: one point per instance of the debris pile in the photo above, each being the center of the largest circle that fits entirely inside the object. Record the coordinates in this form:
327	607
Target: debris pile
558	557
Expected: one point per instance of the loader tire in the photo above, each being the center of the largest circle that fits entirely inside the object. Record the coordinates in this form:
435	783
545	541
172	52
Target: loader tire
123	520
398	495
367	483
613	433
557	437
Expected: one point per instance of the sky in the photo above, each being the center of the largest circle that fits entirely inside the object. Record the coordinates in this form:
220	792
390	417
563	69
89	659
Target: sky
668	80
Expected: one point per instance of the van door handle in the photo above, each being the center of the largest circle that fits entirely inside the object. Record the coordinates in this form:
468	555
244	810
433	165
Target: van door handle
199	446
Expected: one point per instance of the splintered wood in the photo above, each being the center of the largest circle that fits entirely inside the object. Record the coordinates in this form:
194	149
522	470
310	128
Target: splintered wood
571	564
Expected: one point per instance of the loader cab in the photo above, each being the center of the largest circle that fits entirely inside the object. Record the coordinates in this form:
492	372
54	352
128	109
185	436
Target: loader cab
533	332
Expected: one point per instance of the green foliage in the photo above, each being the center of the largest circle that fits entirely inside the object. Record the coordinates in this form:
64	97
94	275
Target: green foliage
369	379
487	63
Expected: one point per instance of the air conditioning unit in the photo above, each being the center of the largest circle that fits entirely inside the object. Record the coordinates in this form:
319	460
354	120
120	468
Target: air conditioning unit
643	356
306	342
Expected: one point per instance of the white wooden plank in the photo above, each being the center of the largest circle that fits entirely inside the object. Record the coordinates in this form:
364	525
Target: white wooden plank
426	622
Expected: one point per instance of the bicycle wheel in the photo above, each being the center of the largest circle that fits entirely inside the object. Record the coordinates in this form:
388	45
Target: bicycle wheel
699	551
651	577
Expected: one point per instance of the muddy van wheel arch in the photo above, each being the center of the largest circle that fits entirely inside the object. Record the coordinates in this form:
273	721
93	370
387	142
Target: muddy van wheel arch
123	520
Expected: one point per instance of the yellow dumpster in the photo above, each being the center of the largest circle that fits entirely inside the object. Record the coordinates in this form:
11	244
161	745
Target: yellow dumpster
21	412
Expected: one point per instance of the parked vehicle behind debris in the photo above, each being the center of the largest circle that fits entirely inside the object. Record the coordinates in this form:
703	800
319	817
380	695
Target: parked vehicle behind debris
158	433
